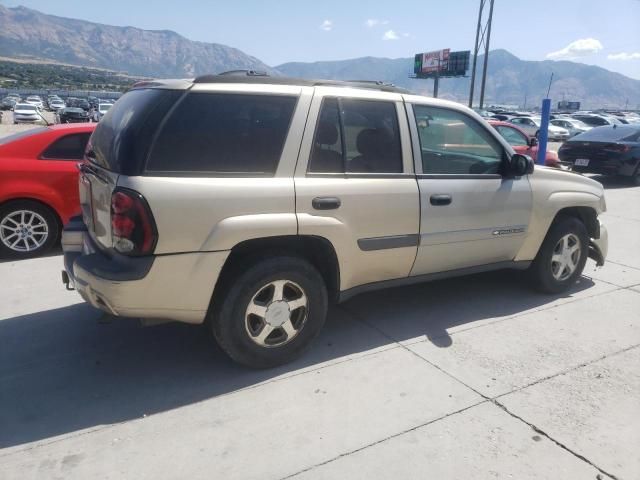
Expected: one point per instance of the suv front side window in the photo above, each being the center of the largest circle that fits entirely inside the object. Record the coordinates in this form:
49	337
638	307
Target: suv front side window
356	136
452	143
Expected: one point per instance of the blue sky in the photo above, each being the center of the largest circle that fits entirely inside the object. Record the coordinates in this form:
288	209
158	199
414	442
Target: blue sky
598	32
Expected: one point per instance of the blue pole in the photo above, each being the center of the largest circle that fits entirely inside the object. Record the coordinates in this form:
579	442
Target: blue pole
544	131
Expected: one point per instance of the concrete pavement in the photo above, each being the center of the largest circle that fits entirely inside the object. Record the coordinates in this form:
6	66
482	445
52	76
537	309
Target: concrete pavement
477	377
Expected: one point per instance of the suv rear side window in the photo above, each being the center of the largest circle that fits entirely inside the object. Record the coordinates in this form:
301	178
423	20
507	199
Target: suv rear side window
453	143
69	147
121	140
356	136
211	133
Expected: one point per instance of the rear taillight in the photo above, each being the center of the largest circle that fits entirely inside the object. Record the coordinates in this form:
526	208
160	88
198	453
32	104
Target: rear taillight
133	229
618	148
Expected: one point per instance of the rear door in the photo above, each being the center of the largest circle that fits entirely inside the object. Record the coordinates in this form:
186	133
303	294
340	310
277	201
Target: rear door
471	214
355	184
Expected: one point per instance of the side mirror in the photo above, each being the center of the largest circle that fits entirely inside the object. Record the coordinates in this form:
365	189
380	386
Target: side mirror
520	165
533	142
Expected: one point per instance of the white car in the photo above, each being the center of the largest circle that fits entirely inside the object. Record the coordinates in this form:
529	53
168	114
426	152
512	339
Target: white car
100	112
34	100
26	113
56	104
573	125
531	125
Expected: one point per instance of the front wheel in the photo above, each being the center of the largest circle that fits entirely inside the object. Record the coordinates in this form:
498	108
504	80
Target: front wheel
269	313
561	257
27	229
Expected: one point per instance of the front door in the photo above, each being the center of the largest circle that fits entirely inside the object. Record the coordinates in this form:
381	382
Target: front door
355	184
471	214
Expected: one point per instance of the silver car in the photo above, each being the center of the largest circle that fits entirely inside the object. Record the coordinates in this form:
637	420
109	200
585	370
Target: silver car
531	125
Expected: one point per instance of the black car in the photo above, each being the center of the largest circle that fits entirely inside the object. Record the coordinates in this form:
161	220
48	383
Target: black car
73	115
78	103
610	150
8	103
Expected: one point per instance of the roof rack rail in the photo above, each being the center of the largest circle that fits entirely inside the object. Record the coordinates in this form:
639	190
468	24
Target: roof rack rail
248	73
231	73
380	83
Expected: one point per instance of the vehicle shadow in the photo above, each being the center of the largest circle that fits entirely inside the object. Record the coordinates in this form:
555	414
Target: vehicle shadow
61	371
613	182
55	250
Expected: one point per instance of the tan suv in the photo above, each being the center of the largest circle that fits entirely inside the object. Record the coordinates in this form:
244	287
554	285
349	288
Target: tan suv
250	203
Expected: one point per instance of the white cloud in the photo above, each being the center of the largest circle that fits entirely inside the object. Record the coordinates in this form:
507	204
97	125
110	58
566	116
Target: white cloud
390	35
580	48
327	25
374	22
624	56
406	35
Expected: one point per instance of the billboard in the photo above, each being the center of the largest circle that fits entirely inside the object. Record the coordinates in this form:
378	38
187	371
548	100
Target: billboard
570	106
431	62
444	62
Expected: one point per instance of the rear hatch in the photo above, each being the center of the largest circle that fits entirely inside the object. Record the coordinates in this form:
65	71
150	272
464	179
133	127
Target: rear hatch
118	147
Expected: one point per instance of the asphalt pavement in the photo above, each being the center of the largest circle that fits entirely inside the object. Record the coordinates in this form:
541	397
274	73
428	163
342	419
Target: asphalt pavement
471	378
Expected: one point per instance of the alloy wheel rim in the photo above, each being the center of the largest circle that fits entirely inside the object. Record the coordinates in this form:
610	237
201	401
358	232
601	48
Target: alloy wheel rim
276	314
565	257
23	231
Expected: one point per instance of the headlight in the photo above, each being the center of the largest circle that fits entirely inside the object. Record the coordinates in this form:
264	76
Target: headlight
603	203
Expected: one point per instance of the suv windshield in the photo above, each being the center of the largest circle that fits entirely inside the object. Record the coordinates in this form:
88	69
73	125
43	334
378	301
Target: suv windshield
122	139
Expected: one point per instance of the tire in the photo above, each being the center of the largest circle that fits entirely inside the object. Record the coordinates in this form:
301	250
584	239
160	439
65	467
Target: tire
551	276
635	178
239	332
43	228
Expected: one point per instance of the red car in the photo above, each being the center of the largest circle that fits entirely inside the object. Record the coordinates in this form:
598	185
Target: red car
523	143
39	186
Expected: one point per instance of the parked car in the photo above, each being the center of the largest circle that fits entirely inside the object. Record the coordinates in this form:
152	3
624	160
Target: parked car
594	120
26	113
56	104
523	143
34	100
78	103
572	125
38	186
531	126
100	111
608	150
72	115
249	203
15	95
8	103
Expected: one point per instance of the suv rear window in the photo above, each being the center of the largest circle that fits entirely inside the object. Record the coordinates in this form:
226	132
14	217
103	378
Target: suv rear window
223	133
122	139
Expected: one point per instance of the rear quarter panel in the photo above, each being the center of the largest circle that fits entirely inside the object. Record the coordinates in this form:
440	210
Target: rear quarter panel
54	183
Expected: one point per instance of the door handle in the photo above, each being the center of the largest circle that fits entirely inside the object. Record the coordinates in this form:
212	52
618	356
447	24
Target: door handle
326	203
440	199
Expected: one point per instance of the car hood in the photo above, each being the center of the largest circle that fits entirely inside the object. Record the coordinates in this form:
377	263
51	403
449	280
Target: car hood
567	181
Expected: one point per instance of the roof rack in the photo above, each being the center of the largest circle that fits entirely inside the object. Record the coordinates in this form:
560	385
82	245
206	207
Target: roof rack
268	80
248	73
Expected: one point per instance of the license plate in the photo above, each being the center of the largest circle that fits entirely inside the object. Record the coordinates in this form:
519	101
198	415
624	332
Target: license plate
581	162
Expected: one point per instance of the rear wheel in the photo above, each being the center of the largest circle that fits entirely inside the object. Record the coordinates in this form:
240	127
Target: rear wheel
561	257
268	314
27	229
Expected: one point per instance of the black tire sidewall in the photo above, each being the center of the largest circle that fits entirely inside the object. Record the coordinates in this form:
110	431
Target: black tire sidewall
42	210
542	275
229	316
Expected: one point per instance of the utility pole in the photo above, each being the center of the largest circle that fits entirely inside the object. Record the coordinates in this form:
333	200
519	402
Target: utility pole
483	37
436	81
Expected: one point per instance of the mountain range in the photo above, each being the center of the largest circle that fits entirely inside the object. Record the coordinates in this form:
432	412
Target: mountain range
29	35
